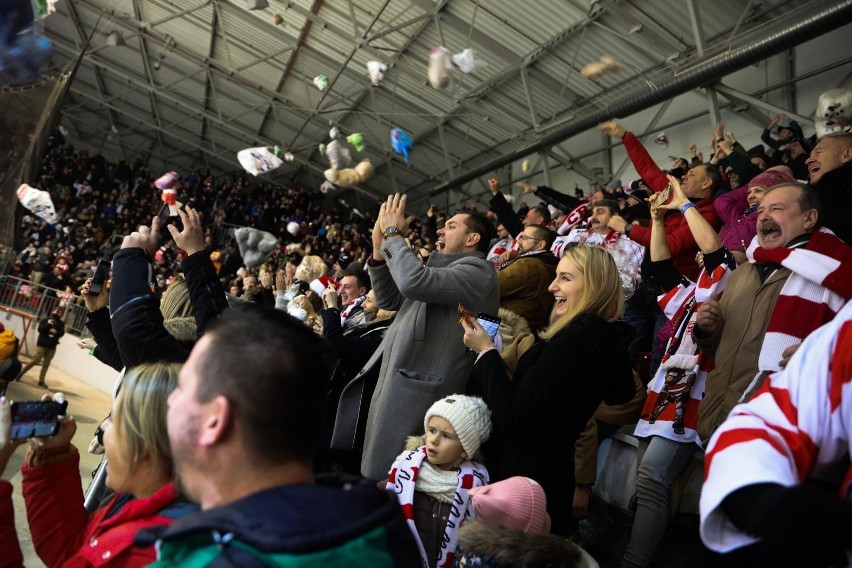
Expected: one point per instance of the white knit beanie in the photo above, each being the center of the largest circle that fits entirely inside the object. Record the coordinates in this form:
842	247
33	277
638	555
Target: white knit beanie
468	415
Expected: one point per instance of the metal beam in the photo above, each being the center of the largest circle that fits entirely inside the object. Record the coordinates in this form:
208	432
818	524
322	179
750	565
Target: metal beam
697	28
82	41
759	103
771	40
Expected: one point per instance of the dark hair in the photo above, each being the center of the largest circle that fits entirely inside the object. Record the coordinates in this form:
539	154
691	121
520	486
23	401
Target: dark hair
712	172
274	371
360	275
808	198
543	212
478	223
610	204
544	234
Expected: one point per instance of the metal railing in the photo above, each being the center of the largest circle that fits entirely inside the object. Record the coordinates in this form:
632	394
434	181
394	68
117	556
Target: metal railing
39	301
223	233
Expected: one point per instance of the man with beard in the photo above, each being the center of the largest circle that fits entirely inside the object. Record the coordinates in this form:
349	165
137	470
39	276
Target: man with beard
830	171
422	356
772	302
524	279
627	254
244	455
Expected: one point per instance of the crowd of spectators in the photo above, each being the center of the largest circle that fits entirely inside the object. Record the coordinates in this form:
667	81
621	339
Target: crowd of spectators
717	269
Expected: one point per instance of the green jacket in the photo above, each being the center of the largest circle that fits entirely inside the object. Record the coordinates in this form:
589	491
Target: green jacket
306	526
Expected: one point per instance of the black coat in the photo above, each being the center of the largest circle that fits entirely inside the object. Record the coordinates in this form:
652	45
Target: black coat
47	339
539	413
835	190
137	323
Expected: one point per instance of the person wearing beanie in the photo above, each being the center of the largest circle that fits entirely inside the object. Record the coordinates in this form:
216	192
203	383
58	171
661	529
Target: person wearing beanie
738	210
511	529
434	474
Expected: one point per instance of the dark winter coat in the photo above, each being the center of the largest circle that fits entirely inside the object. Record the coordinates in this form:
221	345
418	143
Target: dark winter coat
539	413
835	190
47	339
330	523
140	332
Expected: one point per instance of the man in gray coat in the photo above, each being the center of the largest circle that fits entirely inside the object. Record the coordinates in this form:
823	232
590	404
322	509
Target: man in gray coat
424	358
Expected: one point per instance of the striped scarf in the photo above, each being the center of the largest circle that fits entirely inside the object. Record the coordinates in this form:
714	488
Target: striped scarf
402	481
818	286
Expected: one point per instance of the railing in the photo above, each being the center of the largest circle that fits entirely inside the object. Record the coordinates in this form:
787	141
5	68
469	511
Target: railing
223	233
40	301
7	258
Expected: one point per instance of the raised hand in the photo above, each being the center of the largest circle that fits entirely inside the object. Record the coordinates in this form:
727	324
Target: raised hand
612	128
94	303
191	239
146	238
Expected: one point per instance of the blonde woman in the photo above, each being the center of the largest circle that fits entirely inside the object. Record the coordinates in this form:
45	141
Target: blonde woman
139	470
580	361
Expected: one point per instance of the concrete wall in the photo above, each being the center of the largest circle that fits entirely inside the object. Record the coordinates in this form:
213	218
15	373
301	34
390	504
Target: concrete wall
69	357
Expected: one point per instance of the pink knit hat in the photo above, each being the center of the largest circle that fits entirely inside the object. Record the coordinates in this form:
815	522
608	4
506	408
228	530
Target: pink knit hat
770	178
517	503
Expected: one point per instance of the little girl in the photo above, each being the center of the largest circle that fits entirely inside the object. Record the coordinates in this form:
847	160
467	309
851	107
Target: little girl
431	478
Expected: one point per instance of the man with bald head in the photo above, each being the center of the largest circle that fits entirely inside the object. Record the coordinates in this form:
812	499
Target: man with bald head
771	302
830	171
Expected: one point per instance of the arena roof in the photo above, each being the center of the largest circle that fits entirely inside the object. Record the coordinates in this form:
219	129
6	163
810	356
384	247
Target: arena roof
190	83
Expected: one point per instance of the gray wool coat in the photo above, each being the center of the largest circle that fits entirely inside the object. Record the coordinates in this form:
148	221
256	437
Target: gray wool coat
424	358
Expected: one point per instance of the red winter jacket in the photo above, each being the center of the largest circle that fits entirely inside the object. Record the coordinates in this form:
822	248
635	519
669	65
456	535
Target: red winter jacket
65	535
681	242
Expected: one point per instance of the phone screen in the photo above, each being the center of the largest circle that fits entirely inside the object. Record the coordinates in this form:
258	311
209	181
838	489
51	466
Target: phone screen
36	419
488	323
666	195
100	277
163	216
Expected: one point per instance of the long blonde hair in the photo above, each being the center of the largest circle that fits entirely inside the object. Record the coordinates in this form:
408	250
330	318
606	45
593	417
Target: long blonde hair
140	412
602	292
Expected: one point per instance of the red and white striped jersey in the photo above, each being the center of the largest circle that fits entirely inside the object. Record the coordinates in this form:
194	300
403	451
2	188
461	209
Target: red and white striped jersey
797	426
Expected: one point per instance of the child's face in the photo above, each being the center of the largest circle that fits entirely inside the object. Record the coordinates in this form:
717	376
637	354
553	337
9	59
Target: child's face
443	448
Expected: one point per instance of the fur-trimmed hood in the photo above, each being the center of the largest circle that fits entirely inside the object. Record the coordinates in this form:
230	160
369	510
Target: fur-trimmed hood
505	546
182	329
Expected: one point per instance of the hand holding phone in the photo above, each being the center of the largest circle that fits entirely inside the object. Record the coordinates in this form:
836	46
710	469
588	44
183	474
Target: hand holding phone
37	419
98	280
666	195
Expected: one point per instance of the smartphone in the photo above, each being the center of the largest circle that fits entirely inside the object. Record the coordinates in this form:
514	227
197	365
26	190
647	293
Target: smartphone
666	195
36	419
163	216
490	323
579	193
101	273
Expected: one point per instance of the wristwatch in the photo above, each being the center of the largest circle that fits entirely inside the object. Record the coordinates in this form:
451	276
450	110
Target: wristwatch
390	232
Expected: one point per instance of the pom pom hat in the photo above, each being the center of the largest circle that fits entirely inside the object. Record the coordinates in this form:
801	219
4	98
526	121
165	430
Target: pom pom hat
468	415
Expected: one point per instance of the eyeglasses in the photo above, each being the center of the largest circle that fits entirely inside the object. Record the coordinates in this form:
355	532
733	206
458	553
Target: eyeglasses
99	433
529	238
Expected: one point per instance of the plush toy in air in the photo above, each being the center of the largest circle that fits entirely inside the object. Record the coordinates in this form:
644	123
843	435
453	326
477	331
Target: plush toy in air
349	177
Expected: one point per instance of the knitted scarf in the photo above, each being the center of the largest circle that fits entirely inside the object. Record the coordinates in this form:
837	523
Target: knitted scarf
818	286
350	307
575	217
402	481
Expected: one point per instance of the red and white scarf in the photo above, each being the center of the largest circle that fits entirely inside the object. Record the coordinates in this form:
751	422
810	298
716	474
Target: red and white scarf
350	307
817	288
575	217
402	481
